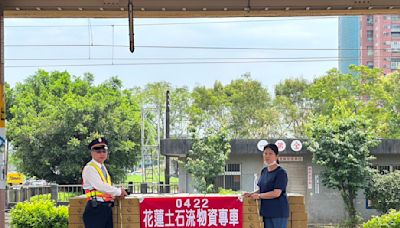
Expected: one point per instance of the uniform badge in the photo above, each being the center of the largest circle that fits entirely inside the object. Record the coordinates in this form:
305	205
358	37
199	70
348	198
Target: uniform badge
99	140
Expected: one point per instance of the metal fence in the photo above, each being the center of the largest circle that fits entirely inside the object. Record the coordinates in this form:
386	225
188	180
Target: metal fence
62	193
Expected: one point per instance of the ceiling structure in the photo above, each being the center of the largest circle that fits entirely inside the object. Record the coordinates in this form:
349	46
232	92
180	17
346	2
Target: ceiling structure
194	8
172	9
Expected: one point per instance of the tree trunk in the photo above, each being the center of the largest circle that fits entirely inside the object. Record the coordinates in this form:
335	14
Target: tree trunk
348	196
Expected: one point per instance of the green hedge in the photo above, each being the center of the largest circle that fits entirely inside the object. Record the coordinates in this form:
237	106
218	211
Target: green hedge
392	219
39	213
62	196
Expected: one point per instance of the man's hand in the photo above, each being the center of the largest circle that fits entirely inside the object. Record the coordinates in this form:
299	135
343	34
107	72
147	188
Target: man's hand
123	193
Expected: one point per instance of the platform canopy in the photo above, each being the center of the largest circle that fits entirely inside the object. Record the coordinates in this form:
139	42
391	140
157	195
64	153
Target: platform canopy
194	8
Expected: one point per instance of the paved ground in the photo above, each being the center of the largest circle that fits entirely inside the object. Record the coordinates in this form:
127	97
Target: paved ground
7	220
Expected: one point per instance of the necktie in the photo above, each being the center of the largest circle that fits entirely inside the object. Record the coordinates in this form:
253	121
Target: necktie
103	169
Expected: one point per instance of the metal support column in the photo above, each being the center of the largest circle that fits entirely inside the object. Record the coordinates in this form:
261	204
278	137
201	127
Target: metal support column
2	125
167	125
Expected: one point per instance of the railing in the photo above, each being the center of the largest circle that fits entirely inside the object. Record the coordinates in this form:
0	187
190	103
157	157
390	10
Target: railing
62	193
150	188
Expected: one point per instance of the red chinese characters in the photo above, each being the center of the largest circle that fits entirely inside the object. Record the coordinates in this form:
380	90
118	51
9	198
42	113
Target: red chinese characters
191	212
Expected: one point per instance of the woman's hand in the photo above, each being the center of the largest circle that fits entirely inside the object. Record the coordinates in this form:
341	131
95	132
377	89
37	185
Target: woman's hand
255	196
247	195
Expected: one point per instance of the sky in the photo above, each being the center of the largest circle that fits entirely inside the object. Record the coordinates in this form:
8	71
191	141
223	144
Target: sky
222	40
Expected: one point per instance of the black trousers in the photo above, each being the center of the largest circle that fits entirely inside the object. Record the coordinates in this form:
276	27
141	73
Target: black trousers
98	217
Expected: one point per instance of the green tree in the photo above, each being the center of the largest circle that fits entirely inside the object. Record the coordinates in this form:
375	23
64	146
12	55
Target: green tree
293	106
180	99
250	107
209	107
154	95
365	94
56	115
243	106
206	160
391	85
383	191
340	144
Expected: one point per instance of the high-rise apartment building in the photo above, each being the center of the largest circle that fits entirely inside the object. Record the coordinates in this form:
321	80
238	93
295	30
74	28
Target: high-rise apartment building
380	41
349	42
378	37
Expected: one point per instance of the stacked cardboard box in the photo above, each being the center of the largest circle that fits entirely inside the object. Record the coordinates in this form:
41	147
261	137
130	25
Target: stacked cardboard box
297	214
76	209
125	213
251	215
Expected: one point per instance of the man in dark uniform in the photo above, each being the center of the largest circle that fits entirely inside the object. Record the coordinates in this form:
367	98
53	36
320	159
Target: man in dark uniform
99	192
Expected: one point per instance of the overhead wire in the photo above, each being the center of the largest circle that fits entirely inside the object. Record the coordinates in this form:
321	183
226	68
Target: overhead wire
196	47
169	63
170	58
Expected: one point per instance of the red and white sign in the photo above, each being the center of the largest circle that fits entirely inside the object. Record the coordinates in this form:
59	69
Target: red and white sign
202	211
309	177
290	159
296	145
281	145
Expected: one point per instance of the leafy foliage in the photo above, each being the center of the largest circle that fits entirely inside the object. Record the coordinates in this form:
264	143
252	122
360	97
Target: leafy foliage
55	116
39	214
368	93
243	107
392	219
384	191
293	106
62	196
206	160
223	191
340	145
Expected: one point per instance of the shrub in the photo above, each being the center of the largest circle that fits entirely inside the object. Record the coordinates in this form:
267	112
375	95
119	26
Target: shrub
383	190
39	213
392	219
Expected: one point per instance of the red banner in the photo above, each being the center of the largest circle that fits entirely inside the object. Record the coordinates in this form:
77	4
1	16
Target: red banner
192	211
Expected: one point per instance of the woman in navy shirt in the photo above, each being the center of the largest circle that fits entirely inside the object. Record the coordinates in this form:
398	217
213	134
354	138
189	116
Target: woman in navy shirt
272	190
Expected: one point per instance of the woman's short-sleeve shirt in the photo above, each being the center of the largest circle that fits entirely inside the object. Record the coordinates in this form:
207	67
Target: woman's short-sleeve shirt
269	181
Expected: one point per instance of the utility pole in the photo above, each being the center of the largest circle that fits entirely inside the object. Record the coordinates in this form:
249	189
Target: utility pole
167	183
2	125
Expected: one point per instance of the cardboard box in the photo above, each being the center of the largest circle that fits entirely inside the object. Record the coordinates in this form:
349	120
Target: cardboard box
253	225
128	202
299	224
250	209
79	201
296	199
297	208
252	218
76	225
127	219
299	216
75	219
129	210
131	225
250	202
76	210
